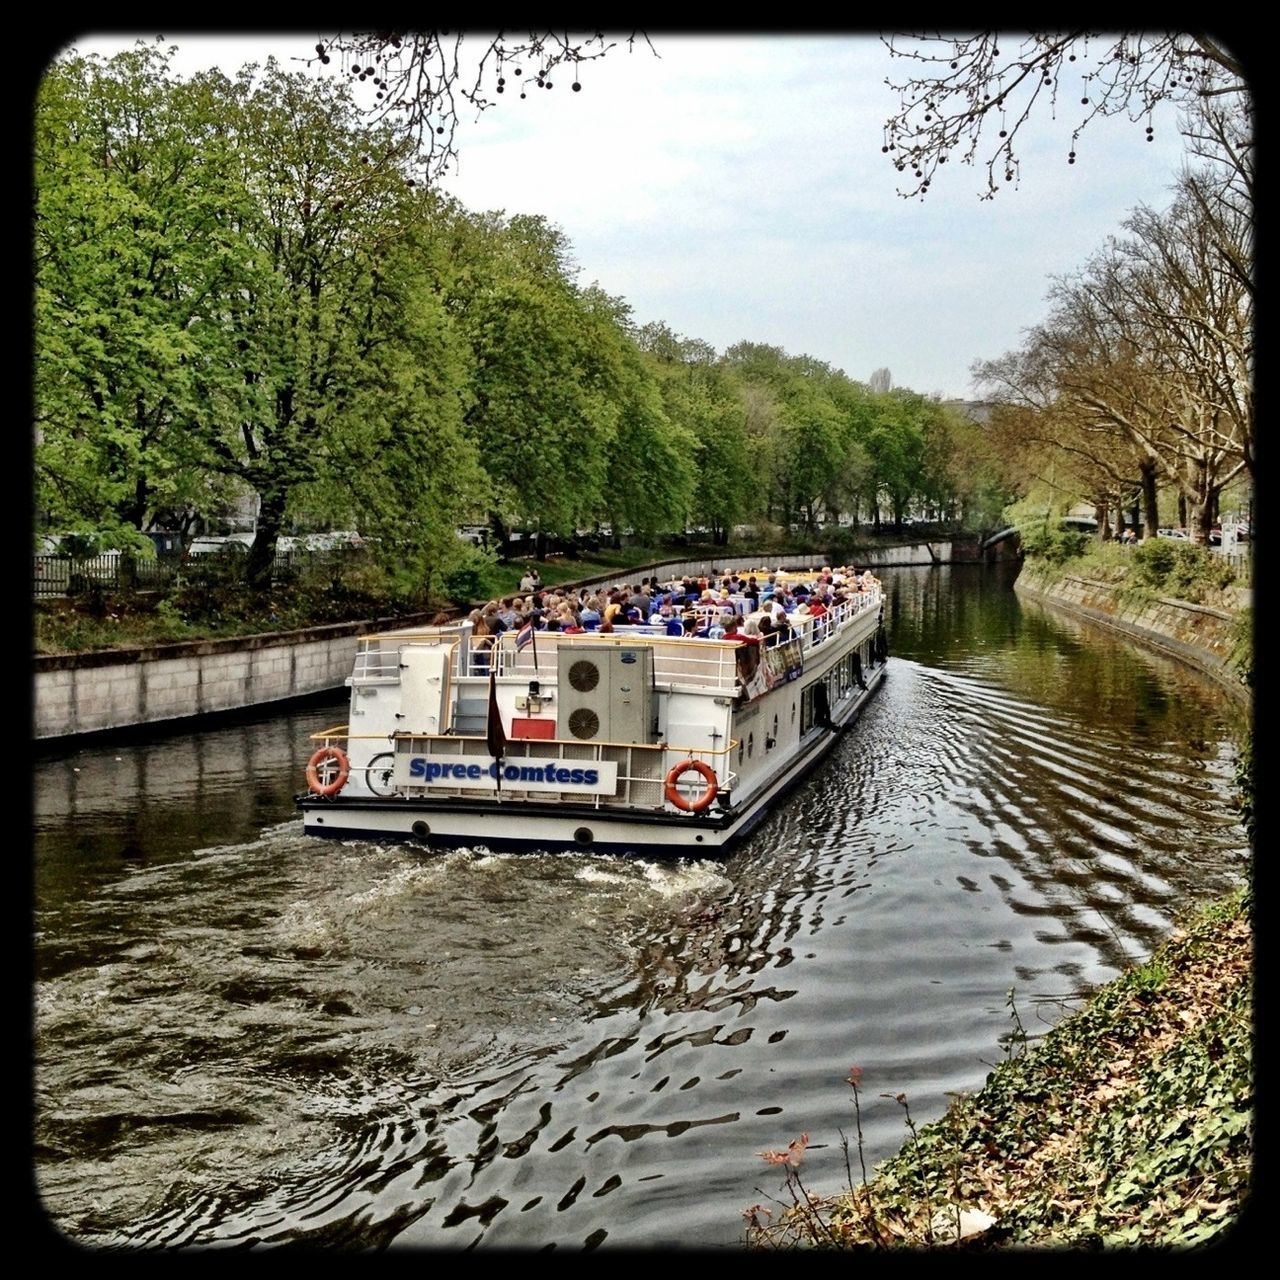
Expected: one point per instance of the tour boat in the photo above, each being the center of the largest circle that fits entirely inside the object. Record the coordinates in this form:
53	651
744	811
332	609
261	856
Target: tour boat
632	741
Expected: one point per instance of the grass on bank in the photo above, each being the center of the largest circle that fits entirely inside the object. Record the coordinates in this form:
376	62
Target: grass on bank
1130	1124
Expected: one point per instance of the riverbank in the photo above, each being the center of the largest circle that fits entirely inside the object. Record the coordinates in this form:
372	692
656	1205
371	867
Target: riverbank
1213	637
1130	1124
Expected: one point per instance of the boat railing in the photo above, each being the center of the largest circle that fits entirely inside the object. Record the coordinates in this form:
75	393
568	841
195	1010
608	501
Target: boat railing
692	660
814	631
378	656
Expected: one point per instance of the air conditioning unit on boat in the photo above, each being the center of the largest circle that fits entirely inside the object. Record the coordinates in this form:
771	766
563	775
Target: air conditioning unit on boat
605	694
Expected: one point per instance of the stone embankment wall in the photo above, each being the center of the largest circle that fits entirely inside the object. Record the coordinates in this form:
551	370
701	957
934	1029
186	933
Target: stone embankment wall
92	692
1201	636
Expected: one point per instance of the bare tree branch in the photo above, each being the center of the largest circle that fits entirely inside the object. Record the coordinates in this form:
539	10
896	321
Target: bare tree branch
422	80
963	84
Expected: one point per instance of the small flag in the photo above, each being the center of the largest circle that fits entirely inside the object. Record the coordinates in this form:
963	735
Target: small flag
524	637
495	734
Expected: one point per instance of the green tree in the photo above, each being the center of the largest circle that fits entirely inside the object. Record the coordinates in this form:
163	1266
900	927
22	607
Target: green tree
548	367
701	398
896	445
137	202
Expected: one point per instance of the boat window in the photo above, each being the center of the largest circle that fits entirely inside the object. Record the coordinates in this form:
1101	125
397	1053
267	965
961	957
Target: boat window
806	710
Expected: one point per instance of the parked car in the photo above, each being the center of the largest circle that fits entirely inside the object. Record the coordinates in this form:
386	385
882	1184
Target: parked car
1179	535
333	540
233	544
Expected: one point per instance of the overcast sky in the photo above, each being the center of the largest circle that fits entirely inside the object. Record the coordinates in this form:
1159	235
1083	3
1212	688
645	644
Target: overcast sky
734	188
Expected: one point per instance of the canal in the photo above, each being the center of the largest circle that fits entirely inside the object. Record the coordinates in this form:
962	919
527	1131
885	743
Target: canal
244	1037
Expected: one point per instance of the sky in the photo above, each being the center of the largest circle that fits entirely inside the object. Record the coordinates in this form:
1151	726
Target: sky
734	188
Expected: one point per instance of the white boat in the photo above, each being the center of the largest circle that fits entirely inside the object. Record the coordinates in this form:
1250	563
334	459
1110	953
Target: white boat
629	742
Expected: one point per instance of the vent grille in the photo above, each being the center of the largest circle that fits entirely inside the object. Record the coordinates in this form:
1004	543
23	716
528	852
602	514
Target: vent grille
583	722
584	676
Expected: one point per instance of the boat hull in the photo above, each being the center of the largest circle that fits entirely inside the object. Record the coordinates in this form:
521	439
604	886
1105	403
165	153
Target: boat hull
457	822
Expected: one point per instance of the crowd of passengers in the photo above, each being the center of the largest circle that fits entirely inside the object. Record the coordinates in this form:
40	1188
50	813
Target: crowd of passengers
761	608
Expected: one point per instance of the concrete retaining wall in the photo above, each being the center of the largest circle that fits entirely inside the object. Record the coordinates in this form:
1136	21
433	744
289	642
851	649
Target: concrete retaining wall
93	692
696	567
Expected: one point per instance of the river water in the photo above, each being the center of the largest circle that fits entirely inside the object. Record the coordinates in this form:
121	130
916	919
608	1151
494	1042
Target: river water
246	1037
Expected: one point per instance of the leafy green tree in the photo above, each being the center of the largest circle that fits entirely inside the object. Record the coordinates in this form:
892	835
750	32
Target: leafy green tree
137	202
411	475
896	445
548	364
963	477
700	398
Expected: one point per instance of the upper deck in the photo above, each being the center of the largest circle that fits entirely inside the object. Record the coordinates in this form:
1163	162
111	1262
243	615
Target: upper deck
694	663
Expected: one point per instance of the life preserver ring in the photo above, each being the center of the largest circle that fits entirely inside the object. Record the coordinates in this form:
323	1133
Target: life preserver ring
708	775
323	756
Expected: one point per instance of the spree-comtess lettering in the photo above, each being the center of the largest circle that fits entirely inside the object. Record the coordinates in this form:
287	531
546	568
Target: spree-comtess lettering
433	770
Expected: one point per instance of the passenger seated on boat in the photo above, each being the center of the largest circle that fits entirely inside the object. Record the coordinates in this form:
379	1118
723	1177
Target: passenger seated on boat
481	643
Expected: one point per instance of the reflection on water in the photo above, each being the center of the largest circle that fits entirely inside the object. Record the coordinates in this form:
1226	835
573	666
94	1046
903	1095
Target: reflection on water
248	1036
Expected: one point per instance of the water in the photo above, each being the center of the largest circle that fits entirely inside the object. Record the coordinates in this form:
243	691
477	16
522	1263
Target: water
247	1037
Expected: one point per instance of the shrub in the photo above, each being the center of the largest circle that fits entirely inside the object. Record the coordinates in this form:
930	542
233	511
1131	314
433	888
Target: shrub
1051	542
1181	569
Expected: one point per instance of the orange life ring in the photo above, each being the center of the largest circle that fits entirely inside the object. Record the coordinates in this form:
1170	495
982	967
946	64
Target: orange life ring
323	756
707	773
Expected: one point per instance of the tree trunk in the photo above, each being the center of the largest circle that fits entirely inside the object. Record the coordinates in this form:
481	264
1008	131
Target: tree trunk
262	555
1150	505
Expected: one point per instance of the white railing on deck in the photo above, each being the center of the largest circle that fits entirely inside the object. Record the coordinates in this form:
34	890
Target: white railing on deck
709	664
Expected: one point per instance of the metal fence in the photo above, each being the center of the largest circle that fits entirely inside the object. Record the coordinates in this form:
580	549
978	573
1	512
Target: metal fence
114	571
61	575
